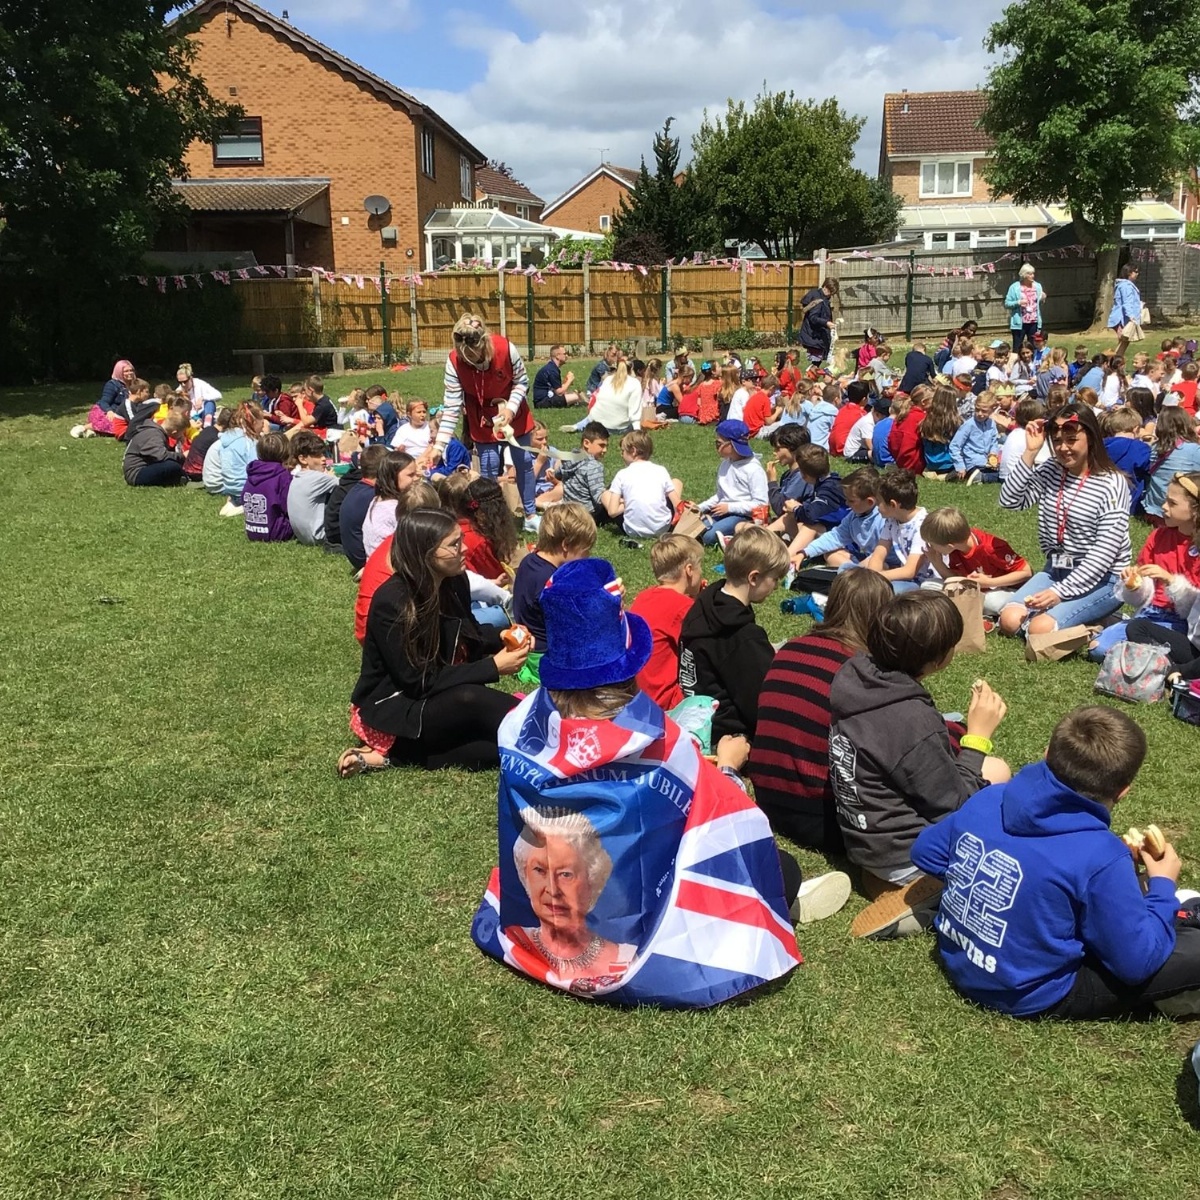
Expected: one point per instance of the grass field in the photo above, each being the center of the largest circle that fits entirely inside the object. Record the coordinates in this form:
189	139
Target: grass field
223	973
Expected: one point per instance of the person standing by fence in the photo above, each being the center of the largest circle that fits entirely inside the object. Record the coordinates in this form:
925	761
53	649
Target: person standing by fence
1024	303
486	379
816	330
1125	319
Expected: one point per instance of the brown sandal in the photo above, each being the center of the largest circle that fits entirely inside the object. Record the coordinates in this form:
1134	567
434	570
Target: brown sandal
354	762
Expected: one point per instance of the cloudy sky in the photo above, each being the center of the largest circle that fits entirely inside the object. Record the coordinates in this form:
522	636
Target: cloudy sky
548	85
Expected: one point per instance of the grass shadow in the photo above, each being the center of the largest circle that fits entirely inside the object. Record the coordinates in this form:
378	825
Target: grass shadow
1187	1093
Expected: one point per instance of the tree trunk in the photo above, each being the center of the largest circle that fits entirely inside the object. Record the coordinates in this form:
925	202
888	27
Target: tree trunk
1106	277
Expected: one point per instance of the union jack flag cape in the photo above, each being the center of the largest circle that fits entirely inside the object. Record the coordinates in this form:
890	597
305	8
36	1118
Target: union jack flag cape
692	912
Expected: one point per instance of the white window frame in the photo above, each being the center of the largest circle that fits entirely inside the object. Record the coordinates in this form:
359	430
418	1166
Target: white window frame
605	222
428	153
1025	236
995	237
936	164
522	211
465	186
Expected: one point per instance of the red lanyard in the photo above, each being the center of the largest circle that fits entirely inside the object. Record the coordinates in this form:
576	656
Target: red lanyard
1063	511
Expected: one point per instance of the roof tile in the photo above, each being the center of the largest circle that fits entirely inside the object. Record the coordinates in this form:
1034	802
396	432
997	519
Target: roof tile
491	182
248	195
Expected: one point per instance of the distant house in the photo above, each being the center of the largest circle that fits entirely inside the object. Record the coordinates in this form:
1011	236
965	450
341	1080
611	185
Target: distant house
508	195
593	202
934	154
320	136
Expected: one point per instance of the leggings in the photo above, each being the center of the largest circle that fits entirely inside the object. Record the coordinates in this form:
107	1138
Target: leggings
1097	995
159	474
458	729
1183	655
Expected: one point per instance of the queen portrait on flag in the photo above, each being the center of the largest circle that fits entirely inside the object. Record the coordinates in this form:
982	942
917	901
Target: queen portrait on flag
631	869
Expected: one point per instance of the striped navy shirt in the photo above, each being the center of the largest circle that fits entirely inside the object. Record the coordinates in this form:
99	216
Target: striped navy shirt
1094	512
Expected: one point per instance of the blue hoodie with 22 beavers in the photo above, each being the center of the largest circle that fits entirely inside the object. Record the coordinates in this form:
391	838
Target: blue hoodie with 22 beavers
1036	879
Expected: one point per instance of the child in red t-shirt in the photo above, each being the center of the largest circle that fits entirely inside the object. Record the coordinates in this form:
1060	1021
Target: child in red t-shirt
1186	389
956	549
760	409
677	565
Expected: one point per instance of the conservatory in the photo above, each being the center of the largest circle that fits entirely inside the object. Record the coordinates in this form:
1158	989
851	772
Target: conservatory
480	233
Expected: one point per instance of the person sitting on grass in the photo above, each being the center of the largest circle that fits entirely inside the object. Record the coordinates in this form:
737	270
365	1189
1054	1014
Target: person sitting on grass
900	538
789	491
312	485
422	696
356	489
975	448
153	457
1082	525
1131	456
823	510
1043	913
741	483
956	550
861	438
678	566
892	767
643	495
239	445
107	416
820	411
724	654
853	540
265	497
550	389
583	482
398	472
789	762
195	465
904	438
567	532
938	428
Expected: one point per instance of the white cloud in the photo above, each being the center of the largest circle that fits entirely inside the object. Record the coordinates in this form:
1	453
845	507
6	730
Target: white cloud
606	74
388	15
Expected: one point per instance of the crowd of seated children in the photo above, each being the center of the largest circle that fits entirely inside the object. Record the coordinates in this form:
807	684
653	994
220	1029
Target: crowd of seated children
956	550
642	495
893	769
1082	937
567	532
724	653
678	566
741	483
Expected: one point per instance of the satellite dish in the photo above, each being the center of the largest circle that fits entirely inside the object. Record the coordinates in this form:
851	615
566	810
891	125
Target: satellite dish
377	205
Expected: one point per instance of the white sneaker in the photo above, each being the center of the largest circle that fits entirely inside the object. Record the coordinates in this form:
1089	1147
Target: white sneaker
821	897
1183	895
722	541
77	430
89	432
229	509
532	524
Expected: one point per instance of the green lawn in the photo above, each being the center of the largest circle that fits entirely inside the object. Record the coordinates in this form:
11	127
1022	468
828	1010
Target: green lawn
226	974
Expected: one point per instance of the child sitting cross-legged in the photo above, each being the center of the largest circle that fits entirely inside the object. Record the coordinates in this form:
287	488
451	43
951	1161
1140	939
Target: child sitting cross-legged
677	563
567	532
854	539
724	654
901	533
892	767
265	496
820	512
642	493
975	448
786	492
956	549
1042	913
312	485
583	482
741	483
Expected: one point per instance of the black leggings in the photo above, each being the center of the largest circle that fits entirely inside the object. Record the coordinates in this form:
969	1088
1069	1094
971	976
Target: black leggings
458	729
1183	655
1098	995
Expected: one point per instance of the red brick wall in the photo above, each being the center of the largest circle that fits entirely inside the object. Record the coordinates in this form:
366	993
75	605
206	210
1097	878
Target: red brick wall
583	210
318	122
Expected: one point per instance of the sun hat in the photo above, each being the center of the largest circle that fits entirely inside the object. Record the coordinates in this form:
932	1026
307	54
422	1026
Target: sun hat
590	640
737	432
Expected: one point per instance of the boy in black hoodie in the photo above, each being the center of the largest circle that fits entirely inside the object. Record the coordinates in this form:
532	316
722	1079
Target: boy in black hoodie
723	653
891	764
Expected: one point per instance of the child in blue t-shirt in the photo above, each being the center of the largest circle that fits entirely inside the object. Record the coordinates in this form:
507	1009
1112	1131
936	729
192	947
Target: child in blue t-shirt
818	413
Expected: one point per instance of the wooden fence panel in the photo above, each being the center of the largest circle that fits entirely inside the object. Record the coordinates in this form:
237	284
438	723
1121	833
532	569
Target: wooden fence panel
767	295
276	312
625	305
352	316
557	308
704	301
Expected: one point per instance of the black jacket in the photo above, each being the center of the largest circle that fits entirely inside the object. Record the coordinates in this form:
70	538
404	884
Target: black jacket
333	509
814	329
391	690
725	655
891	765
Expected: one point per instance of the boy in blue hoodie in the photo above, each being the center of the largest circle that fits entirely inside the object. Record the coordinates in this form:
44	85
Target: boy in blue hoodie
1042	912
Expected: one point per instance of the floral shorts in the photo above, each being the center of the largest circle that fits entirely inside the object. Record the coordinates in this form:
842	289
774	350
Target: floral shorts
377	740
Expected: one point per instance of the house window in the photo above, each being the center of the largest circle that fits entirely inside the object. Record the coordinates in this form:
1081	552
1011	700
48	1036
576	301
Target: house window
992	237
1025	235
605	223
464	175
427	163
522	211
243	148
938	241
948	178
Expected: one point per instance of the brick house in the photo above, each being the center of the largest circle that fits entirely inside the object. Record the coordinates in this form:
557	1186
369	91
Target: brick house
320	135
508	195
591	204
934	154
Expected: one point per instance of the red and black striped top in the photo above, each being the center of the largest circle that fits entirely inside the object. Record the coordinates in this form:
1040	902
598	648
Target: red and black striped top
789	761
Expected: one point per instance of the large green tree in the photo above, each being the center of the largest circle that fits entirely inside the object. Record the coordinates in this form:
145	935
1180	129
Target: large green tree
97	105
1093	104
780	175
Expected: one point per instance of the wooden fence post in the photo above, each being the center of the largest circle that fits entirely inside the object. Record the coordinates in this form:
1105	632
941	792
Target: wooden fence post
316	294
587	308
414	355
503	310
666	308
742	272
385	316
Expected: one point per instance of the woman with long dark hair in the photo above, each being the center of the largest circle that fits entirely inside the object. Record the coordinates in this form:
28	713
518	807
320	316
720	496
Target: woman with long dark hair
422	696
1083	524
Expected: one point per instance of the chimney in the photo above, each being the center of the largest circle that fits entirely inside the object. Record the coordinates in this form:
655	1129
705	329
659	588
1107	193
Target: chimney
904	106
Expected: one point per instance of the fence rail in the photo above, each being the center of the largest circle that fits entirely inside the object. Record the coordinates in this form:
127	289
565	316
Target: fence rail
576	307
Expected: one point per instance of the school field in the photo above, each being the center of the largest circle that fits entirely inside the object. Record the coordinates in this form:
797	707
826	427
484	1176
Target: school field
224	973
